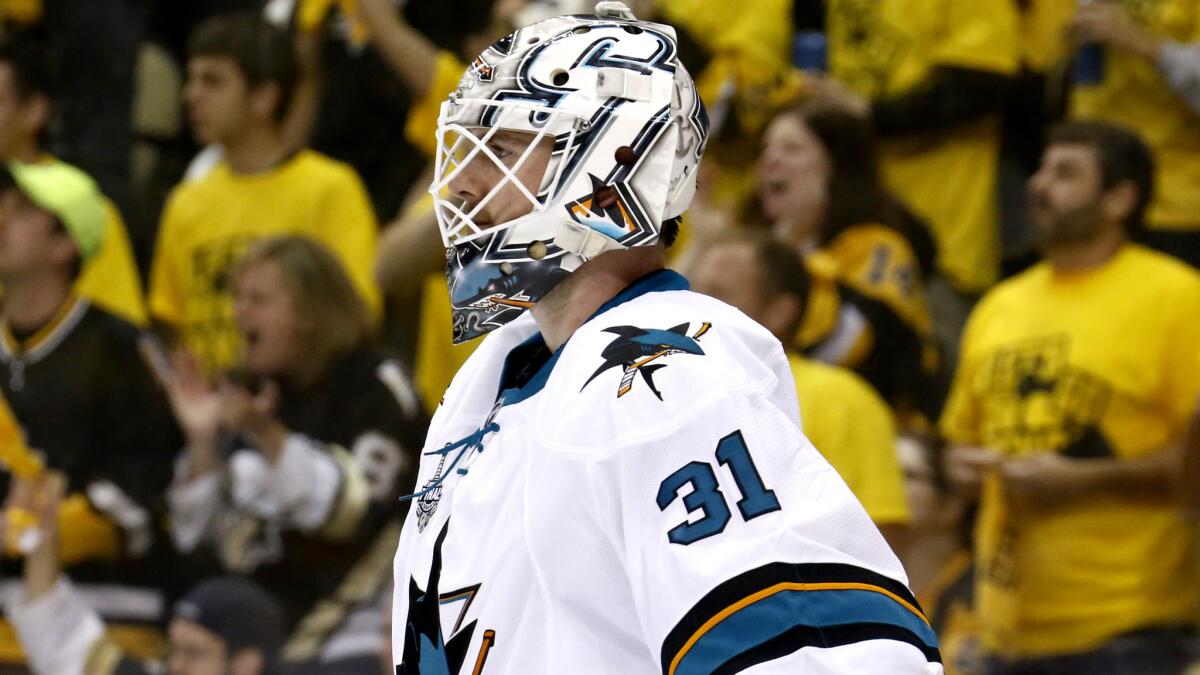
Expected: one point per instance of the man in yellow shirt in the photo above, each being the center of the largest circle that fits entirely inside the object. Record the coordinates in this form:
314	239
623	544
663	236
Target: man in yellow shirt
241	73
110	279
1074	390
1139	89
844	418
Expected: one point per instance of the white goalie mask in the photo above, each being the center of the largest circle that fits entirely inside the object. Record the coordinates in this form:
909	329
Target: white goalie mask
571	137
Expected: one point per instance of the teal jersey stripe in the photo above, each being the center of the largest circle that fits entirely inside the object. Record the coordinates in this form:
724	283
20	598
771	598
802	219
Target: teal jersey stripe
788	610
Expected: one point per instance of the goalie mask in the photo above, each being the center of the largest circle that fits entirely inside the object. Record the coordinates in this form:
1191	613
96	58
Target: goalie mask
571	137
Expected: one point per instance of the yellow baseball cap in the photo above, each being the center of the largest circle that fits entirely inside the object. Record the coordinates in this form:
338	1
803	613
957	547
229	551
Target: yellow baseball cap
71	195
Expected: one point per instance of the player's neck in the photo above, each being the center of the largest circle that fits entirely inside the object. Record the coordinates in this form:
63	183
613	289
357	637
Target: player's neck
1087	255
257	150
30	304
579	296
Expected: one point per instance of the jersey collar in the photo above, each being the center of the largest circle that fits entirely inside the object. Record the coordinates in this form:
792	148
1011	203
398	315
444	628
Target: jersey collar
528	354
47	338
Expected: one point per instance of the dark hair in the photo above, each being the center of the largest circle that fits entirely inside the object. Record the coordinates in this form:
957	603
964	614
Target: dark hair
670	231
263	53
30	65
237	611
857	193
781	270
1123	156
336	318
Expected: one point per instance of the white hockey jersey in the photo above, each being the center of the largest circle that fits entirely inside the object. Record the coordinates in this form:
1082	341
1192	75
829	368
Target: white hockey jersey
641	501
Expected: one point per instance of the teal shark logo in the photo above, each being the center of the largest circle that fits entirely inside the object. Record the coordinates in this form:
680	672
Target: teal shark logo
426	650
636	350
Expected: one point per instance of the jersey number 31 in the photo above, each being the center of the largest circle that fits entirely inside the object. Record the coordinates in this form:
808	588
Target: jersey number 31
706	495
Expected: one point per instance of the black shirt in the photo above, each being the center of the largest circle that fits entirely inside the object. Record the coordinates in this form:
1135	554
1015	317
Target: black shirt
86	401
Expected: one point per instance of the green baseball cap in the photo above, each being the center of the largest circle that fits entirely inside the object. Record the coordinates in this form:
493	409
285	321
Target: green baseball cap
71	195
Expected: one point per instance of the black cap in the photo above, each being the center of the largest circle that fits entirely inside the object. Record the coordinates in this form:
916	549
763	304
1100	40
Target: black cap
237	611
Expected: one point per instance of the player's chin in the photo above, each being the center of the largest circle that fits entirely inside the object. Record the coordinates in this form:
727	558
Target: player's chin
203	132
1041	219
254	352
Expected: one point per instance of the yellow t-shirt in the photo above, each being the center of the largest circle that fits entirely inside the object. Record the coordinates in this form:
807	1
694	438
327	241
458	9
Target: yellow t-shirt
886	48
209	223
852	428
110	279
1050	359
1043	33
1135	95
421	126
748	50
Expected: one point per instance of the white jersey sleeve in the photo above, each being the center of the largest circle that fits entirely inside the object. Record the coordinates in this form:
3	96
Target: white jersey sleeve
58	630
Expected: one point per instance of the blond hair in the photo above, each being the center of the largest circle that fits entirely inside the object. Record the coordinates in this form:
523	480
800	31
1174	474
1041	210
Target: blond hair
333	314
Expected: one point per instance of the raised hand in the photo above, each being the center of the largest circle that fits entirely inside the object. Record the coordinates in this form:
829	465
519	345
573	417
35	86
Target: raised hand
252	413
1108	23
197	407
42	564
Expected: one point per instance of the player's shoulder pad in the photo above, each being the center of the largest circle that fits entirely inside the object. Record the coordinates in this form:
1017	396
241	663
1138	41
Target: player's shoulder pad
650	363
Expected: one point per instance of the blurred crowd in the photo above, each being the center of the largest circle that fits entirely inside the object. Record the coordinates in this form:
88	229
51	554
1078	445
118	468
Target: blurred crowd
974	227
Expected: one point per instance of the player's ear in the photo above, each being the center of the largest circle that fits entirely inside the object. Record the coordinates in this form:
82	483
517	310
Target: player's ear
34	113
1119	201
265	99
63	247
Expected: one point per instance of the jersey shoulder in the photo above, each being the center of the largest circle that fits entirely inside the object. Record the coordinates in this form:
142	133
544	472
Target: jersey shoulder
1161	271
644	367
320	169
107	331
